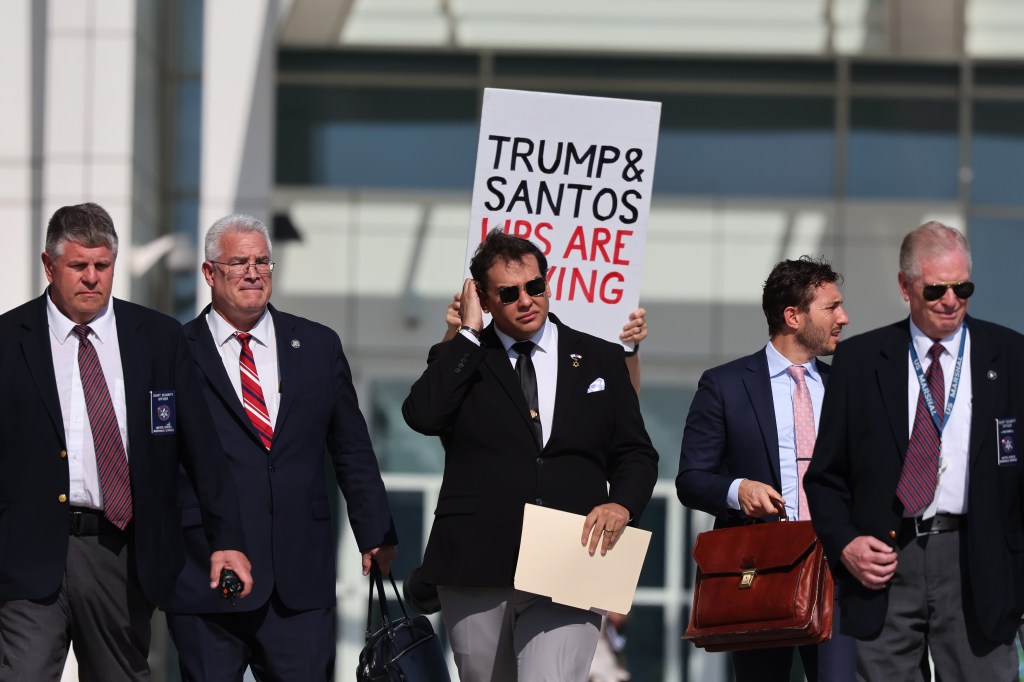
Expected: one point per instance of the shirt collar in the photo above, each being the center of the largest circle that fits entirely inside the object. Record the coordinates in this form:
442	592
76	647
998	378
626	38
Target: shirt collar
544	338
778	363
223	331
62	328
922	343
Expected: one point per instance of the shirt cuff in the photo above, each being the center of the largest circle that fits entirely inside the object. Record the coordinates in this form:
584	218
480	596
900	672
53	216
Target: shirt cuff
732	499
470	336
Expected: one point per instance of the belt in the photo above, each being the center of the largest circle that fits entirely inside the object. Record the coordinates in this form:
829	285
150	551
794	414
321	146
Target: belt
940	523
85	521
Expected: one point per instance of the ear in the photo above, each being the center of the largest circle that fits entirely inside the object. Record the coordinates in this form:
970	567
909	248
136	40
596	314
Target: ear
905	285
791	316
208	272
48	267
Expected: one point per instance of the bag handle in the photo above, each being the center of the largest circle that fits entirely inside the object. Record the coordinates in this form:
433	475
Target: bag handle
377	580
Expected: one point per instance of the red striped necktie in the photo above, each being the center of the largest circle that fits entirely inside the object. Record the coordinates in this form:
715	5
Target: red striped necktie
920	475
111	460
252	393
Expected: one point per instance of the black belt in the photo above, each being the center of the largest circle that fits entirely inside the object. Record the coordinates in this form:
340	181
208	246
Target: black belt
85	521
940	523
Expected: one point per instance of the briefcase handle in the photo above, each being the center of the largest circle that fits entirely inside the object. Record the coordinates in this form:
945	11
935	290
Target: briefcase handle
377	580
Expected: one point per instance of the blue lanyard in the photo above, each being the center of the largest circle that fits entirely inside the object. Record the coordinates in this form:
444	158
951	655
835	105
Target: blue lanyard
940	424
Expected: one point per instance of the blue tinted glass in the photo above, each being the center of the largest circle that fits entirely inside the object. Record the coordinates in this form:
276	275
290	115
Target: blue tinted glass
996	246
746	146
664	409
998	153
187	134
903	149
190	35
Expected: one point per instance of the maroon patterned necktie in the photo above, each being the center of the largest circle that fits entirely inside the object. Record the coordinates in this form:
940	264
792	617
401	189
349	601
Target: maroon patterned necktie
252	393
920	474
111	461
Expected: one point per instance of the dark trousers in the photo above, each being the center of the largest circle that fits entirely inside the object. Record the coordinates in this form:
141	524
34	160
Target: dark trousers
833	661
276	643
99	610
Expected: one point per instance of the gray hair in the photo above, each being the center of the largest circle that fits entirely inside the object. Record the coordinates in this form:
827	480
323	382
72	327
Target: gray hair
931	240
86	224
237	222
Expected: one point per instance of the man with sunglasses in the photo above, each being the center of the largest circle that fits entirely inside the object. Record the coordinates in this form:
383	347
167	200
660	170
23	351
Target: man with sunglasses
528	411
280	392
915	484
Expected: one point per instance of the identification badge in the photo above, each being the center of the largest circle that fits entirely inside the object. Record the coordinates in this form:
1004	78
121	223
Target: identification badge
1006	441
162	417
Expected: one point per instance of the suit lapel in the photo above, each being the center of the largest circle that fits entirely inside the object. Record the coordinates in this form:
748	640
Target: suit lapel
289	366
892	376
984	358
207	356
758	386
35	346
568	386
135	367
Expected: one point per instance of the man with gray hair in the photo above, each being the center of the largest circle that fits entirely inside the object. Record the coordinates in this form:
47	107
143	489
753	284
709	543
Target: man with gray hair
280	392
101	402
915	485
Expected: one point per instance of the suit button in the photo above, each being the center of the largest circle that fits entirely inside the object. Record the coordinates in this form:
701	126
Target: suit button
539	501
892	534
62	498
271	468
540	460
63	454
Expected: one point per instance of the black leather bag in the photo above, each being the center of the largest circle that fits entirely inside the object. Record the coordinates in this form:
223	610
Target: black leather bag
402	650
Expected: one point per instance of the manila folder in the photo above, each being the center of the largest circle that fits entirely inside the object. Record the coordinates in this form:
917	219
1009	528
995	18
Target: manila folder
553	563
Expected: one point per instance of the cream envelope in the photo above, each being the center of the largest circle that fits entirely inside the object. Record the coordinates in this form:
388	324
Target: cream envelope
552	562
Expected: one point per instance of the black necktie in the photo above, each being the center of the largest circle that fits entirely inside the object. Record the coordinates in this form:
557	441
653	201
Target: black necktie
528	380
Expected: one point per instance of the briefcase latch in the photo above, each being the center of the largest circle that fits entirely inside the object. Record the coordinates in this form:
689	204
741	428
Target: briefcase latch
747	578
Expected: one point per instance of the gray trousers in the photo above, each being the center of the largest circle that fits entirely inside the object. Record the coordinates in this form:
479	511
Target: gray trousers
930	613
504	635
99	609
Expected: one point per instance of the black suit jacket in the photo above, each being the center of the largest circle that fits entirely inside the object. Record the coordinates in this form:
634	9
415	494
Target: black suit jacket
470	396
730	433
858	456
34	467
286	510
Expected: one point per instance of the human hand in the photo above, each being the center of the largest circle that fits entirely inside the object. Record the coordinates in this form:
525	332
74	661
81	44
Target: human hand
237	562
452	317
384	555
870	561
470	309
635	330
604	523
758	500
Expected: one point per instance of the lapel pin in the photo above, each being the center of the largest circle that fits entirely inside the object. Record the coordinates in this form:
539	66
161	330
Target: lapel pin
992	375
576	357
295	343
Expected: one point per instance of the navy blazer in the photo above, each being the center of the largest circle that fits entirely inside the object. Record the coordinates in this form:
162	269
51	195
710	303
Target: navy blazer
858	457
286	507
598	450
33	455
730	433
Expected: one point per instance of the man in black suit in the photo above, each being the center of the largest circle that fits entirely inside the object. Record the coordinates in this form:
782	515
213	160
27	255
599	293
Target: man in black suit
744	446
529	411
915	483
100	404
280	392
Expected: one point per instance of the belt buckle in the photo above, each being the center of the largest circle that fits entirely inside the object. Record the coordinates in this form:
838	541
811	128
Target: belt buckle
918	533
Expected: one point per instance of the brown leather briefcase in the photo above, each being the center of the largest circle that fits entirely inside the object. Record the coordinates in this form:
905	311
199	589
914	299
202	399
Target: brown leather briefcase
761	585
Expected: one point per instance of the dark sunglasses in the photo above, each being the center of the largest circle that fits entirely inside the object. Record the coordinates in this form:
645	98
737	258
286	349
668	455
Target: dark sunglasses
510	294
933	292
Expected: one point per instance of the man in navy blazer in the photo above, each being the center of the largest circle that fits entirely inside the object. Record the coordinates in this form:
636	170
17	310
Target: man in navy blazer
76	562
579	446
926	542
280	392
739	457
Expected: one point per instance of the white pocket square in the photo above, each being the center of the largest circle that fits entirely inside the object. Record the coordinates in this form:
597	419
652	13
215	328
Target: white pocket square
598	385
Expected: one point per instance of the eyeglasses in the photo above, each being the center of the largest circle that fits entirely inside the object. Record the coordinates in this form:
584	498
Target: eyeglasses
239	269
933	292
510	294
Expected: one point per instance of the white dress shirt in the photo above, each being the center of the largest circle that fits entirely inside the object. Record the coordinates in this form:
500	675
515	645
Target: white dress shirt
783	387
951	494
263	345
84	490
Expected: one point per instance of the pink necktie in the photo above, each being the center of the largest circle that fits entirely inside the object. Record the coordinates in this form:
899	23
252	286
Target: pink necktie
803	424
252	393
111	461
920	474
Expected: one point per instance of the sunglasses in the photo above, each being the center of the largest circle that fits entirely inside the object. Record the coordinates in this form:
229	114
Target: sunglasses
933	292
510	294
